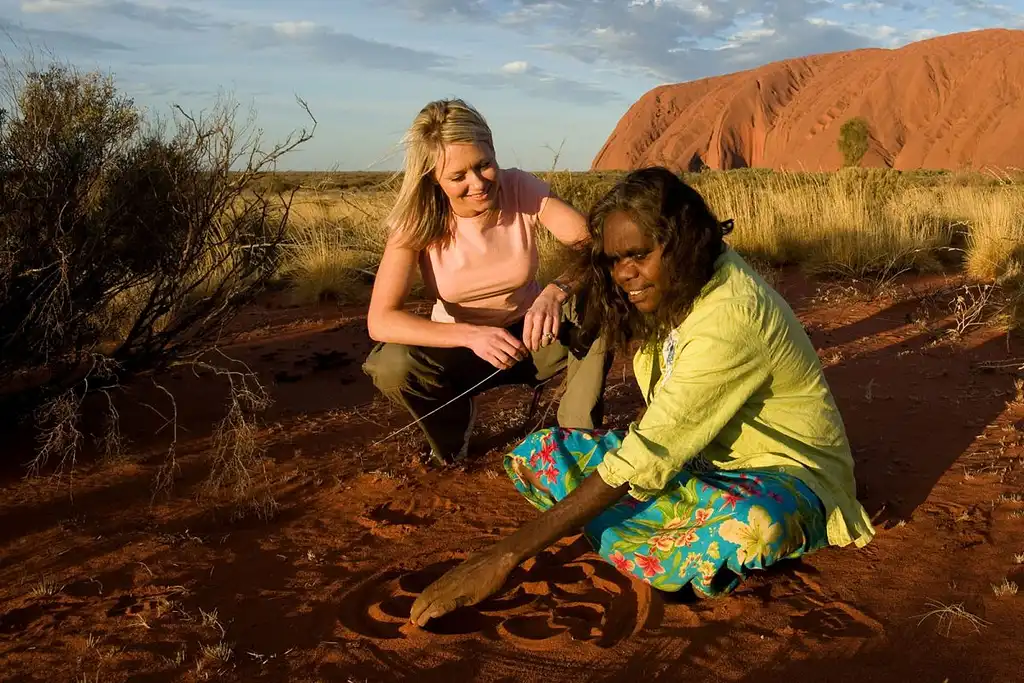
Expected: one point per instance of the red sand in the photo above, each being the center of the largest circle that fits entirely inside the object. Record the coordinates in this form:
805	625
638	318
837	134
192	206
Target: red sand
952	102
322	591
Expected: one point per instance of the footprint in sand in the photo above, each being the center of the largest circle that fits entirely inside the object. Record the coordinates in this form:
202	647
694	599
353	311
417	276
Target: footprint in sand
19	620
47	615
402	516
129	606
817	613
545	600
154	604
837	620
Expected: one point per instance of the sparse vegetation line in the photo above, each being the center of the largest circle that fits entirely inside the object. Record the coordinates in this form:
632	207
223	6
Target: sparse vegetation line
864	223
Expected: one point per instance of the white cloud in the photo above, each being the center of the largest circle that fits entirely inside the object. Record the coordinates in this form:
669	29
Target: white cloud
68	41
40	6
295	28
702	11
663	40
549	86
328	45
749	36
673	40
515	67
921	34
881	33
161	15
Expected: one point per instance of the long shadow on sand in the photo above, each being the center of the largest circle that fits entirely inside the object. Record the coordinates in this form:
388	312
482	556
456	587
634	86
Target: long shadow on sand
913	407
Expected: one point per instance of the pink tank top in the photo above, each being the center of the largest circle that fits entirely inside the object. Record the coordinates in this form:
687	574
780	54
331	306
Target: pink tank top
487	274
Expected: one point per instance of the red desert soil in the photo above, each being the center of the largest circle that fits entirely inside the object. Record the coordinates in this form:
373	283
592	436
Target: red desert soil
953	102
105	586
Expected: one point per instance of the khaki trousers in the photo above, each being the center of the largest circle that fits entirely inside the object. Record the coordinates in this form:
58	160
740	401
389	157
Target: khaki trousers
422	379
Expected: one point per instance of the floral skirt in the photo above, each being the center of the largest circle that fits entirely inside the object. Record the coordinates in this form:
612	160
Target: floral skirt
707	529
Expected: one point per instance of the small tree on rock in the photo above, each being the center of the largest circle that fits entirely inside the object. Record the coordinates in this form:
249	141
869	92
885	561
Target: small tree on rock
853	140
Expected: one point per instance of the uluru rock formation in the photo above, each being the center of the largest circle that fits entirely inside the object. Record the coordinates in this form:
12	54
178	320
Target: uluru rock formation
952	102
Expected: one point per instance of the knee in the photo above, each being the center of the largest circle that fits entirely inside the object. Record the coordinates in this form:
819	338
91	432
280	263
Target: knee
769	517
389	366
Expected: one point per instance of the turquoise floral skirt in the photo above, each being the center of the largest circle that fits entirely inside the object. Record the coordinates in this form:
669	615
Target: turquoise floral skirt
706	529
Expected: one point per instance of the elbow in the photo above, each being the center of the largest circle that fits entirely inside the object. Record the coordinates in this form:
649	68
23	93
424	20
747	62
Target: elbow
374	327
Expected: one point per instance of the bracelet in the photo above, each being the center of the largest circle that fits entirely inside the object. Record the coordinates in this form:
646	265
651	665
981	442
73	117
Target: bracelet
564	288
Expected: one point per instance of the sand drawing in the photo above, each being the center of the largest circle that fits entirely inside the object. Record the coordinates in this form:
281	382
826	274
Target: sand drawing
545	601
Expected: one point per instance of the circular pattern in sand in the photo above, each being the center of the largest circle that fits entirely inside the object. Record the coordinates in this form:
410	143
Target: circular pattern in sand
547	601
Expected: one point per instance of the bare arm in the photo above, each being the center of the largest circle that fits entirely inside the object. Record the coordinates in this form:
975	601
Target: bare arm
569	226
485	573
386	320
584	503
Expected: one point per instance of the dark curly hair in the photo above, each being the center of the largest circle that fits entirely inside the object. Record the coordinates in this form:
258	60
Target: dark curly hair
677	218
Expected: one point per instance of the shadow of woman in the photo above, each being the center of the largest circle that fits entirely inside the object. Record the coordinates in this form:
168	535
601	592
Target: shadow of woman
912	408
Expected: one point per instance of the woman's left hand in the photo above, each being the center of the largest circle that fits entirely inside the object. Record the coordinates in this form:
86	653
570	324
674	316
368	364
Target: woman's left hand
471	582
540	326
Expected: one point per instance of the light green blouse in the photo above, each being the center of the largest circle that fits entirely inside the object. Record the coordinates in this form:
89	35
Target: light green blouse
744	390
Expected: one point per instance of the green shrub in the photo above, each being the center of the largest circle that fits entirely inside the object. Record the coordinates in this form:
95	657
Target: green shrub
124	245
853	140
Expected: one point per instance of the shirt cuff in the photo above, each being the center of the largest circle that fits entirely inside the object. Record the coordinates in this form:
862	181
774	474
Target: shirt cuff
645	465
616	471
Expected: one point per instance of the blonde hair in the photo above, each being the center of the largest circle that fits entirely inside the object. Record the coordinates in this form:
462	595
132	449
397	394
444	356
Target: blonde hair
422	211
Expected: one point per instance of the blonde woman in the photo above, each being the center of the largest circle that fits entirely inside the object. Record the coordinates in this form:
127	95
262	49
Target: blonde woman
470	227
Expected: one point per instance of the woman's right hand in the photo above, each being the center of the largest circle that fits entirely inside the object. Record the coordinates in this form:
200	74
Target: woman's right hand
496	346
471	582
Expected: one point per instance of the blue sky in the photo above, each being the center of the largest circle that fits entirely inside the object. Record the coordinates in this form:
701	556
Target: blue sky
545	73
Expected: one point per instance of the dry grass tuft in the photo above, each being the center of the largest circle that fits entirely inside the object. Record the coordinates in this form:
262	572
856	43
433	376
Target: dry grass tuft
335	246
221	651
238	467
950	614
238	454
210	620
45	587
1004	589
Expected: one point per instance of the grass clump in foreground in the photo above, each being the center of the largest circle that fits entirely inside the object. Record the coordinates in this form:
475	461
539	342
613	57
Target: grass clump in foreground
863	223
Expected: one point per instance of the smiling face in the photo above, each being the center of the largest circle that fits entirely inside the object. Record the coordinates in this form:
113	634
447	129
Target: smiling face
468	175
634	260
